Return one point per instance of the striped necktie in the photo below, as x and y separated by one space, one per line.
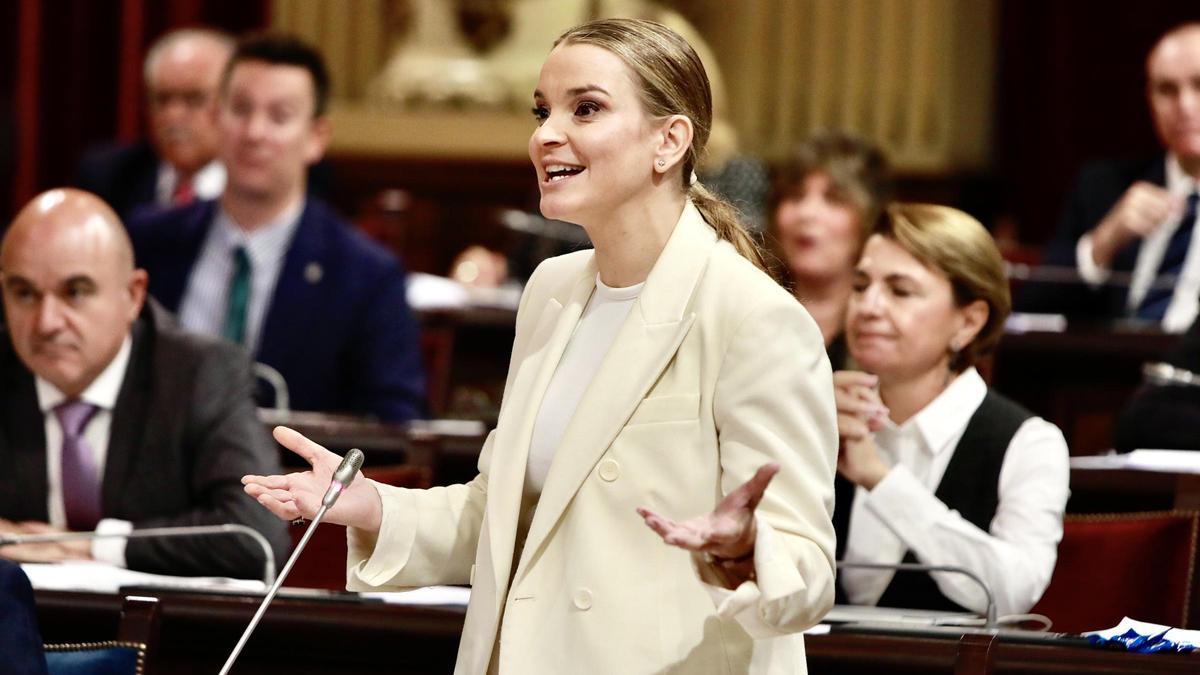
238 299
1154 306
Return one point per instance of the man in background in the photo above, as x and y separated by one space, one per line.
112 418
178 163
1128 226
273 268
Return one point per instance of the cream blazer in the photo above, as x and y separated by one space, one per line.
716 371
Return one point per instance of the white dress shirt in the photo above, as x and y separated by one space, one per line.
204 302
208 183
102 393
1015 556
1184 303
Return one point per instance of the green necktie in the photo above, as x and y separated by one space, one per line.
238 298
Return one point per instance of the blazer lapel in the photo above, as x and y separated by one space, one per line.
297 292
506 482
129 414
649 338
23 445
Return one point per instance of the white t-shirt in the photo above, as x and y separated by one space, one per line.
594 335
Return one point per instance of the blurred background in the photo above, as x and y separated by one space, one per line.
989 105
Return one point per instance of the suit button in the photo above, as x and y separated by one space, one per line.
583 599
609 470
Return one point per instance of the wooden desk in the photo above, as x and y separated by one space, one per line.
1079 379
1123 490
859 650
300 636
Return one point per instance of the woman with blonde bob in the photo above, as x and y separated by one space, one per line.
663 375
934 466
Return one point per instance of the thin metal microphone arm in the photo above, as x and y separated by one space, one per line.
341 479
156 532
989 618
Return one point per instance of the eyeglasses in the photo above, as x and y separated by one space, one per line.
193 99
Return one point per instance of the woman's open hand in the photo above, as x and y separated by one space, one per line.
299 494
728 532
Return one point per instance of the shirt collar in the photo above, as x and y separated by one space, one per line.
265 242
1178 181
944 418
103 390
208 182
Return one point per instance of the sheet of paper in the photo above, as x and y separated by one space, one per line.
893 615
85 575
1170 461
455 596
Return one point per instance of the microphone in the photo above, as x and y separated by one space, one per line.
342 477
989 617
155 532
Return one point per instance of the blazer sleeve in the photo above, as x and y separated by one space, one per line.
223 442
20 643
774 403
429 536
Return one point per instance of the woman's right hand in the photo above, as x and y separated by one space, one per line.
860 414
299 495
860 410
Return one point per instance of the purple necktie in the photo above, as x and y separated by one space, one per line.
80 479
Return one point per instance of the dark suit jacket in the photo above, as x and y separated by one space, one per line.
125 176
20 642
184 432
337 328
1098 188
1164 416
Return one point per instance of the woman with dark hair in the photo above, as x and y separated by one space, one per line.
935 467
661 375
828 197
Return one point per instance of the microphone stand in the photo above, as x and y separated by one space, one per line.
155 532
341 479
990 616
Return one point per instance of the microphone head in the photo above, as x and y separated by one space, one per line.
349 467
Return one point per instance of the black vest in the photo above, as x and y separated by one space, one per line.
970 486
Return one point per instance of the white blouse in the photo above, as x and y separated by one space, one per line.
1015 557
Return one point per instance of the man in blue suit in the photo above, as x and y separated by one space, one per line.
20 642
276 270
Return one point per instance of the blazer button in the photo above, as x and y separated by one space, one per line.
583 599
609 470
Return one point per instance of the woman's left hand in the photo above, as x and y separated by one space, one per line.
728 532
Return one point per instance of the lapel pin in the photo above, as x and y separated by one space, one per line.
313 272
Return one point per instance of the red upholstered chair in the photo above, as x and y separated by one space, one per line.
1140 565
323 562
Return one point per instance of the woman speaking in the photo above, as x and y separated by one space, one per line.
661 376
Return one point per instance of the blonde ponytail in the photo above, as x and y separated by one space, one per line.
725 219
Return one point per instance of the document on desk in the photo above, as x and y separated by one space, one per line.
452 596
894 615
1169 461
85 575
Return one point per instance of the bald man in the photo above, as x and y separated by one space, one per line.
178 163
1128 226
112 417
